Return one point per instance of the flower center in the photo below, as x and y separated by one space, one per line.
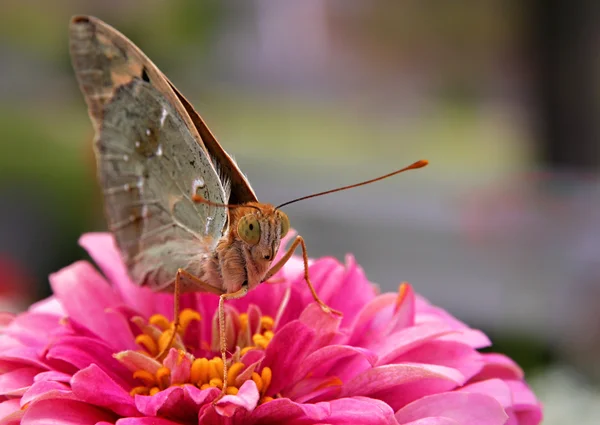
204 371
261 338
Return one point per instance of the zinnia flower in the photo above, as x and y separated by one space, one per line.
88 354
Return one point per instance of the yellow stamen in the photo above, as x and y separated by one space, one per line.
265 399
245 350
180 356
160 322
148 343
258 381
139 390
213 370
267 323
332 382
402 292
266 376
218 365
243 321
234 371
232 390
199 371
164 339
163 377
148 379
260 341
204 373
216 382
186 317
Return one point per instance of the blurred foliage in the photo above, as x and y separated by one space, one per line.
531 354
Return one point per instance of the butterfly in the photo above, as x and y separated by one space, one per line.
183 215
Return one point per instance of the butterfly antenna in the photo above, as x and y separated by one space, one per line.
419 164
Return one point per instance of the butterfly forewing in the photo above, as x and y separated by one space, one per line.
149 158
241 191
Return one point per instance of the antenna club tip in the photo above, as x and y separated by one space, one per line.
420 164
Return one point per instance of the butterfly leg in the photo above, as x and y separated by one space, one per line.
222 337
300 241
201 285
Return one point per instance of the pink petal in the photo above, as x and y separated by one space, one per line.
433 421
179 363
472 337
23 355
315 389
52 375
102 249
452 354
366 327
344 411
525 406
498 366
406 339
404 314
180 403
352 292
246 399
427 312
327 274
10 412
45 390
86 296
494 388
464 408
145 421
8 343
254 316
323 323
33 329
343 361
82 352
135 361
286 351
92 385
50 305
385 377
267 296
252 359
64 412
16 381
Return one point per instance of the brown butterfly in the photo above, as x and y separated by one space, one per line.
183 215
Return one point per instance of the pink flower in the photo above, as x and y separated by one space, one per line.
87 355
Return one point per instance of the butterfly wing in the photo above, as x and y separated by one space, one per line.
150 158
241 191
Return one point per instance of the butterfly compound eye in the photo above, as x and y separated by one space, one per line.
285 223
249 229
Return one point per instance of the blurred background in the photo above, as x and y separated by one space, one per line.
501 96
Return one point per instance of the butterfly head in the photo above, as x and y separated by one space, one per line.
261 227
